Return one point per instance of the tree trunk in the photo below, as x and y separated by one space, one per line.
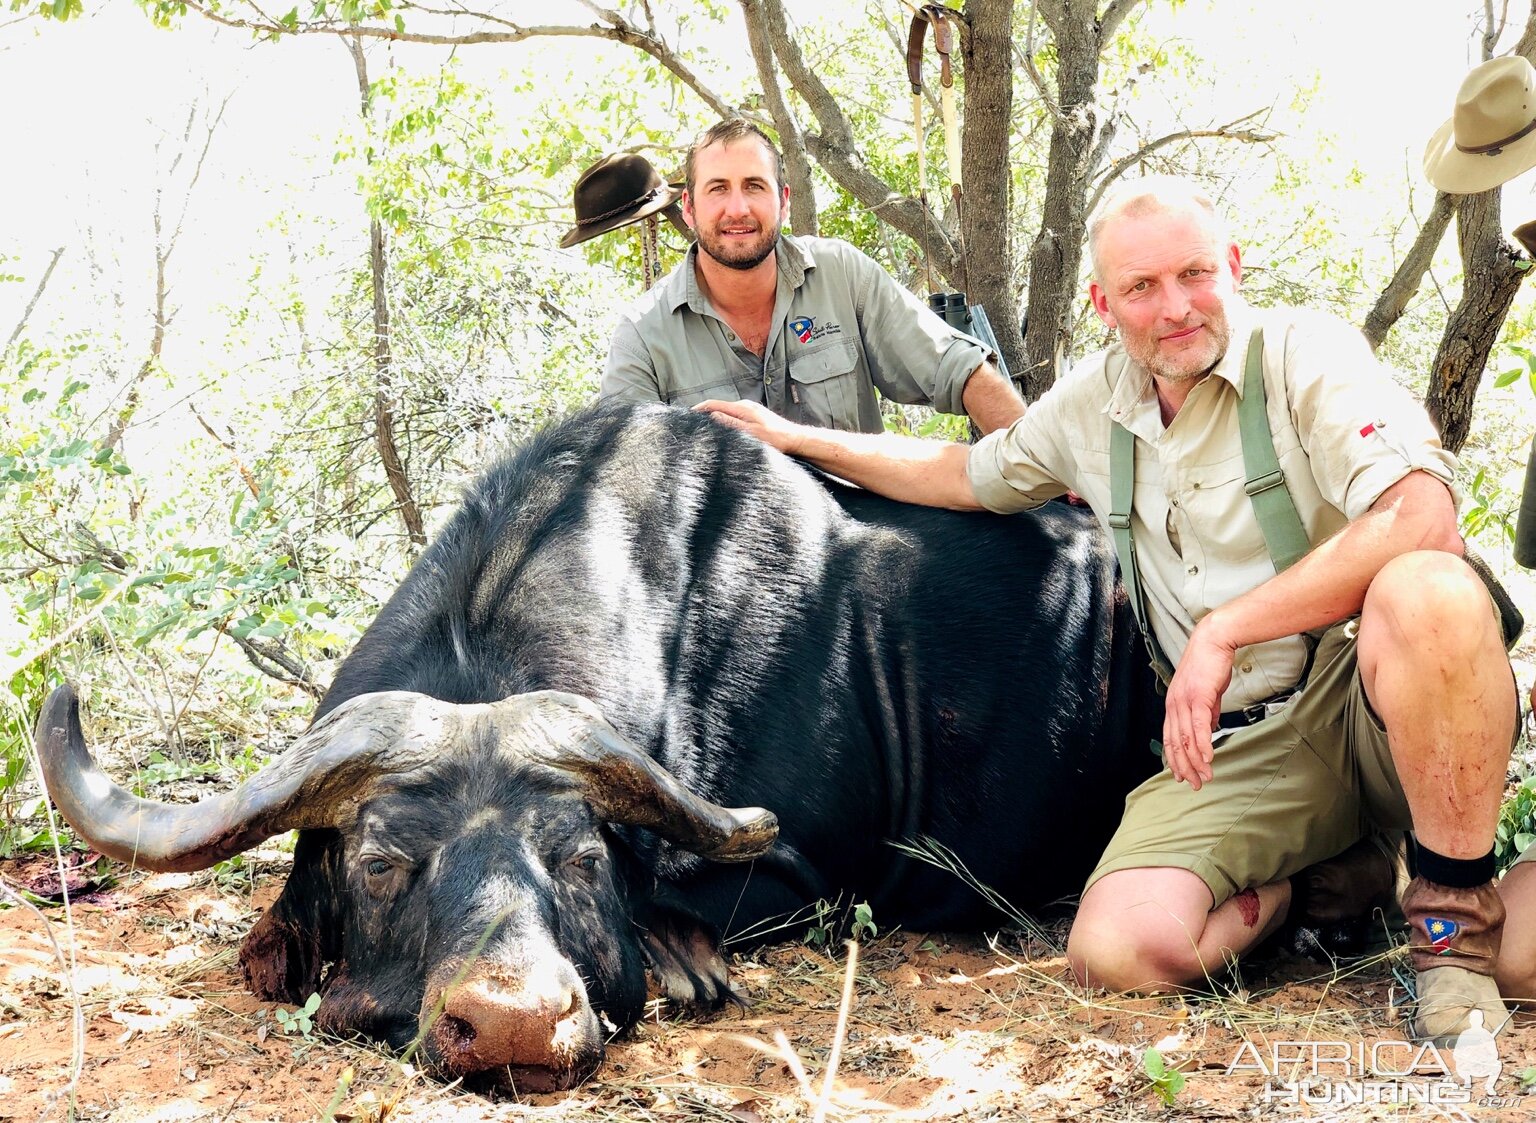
1057 252
985 171
1493 271
1405 283
383 360
797 162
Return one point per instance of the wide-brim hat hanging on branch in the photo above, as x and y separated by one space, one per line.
1491 137
616 191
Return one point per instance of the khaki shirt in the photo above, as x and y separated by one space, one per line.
841 328
1344 431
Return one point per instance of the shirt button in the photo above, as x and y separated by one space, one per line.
768 380
731 336
1194 569
1173 503
1247 668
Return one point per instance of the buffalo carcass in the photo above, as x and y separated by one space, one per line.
541 770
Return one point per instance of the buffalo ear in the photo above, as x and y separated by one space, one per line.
286 950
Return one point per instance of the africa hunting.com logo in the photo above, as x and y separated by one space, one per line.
1338 1074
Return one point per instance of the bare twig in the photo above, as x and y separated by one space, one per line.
31 304
66 964
617 30
840 1034
229 447
1229 131
272 660
1029 66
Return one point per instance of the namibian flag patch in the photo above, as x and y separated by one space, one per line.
1441 933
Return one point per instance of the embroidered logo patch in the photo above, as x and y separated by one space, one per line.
1441 933
802 328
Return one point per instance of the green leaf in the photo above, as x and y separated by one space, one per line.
1153 1062
1507 377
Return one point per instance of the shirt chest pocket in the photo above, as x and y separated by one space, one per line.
823 386
1216 505
725 389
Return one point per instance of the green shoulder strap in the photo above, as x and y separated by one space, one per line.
1266 488
1122 487
1271 499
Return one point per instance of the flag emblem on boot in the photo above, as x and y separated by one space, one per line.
1441 933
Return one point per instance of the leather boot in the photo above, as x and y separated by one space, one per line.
1335 903
1453 944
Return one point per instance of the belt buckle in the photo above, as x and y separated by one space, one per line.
1253 714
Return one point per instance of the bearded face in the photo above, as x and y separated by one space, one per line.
736 205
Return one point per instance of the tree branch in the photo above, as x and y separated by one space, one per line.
835 149
1053 13
1029 66
618 30
1113 17
31 304
1526 46
272 660
802 188
1405 282
1229 131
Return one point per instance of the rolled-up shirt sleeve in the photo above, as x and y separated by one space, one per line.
913 355
630 374
1362 430
1010 469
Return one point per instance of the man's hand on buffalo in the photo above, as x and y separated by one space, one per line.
1192 709
756 419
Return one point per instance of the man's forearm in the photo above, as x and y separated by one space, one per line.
1329 584
932 473
991 400
914 470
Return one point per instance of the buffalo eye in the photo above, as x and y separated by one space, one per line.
586 863
378 875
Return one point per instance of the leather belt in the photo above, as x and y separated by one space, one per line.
1250 715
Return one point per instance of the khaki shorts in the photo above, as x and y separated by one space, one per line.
1290 790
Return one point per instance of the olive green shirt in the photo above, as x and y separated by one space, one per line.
1344 431
841 328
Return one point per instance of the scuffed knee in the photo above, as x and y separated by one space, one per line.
1149 958
1433 582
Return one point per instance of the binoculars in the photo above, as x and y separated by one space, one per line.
969 318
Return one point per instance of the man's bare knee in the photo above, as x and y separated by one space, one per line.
1148 957
1425 596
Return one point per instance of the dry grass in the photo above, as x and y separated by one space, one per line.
909 1026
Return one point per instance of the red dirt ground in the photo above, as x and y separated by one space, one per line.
940 1028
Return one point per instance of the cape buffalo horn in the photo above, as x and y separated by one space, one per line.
624 785
305 787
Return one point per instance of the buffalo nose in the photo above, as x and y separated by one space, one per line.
490 1020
